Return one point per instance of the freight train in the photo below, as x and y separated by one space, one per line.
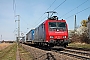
52 32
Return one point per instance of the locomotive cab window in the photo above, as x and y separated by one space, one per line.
54 26
61 24
57 24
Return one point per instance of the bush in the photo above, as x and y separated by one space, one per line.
80 38
84 38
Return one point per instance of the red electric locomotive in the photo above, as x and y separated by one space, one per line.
52 32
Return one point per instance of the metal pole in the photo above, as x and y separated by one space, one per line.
18 28
75 24
1 37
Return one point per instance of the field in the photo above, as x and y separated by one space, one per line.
4 45
79 45
8 51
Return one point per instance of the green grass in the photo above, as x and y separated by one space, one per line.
79 45
24 54
9 53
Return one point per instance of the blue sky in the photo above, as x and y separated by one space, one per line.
30 12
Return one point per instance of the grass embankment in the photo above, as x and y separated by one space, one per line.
79 45
4 45
9 53
24 55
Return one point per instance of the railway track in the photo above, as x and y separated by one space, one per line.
84 55
79 54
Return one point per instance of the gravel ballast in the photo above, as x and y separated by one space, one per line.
39 54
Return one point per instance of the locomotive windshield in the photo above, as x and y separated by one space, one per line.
57 25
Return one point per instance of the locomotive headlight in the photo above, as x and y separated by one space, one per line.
51 36
64 36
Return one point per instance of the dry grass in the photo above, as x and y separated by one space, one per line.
4 45
9 53
80 45
24 55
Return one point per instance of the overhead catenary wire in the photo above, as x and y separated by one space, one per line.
51 4
56 7
75 8
53 10
14 9
45 11
27 28
41 20
24 21
78 12
59 5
